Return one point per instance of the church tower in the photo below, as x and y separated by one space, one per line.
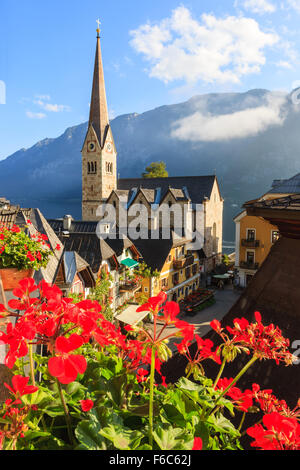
99 156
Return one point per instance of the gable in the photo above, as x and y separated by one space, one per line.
90 136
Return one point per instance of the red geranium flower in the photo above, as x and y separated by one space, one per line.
142 375
86 405
20 387
66 366
153 303
277 433
197 443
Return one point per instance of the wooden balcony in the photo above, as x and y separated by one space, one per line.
249 265
128 286
250 243
183 262
178 263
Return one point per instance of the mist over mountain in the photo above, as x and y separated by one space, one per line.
247 139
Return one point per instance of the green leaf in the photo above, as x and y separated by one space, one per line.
223 425
87 433
40 397
173 415
115 388
201 430
186 384
54 411
121 437
143 410
169 438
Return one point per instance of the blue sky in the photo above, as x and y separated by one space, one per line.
155 52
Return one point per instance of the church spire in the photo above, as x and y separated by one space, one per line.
98 107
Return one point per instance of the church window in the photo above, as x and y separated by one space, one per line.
92 167
109 167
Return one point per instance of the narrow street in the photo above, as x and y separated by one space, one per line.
225 299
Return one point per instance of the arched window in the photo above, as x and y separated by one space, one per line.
95 167
108 167
89 167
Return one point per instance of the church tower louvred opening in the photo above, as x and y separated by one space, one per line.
99 165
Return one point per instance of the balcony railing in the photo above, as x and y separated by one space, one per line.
130 286
249 265
250 243
183 262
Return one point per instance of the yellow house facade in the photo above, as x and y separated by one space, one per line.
254 239
255 236
178 277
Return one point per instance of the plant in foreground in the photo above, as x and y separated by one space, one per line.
93 387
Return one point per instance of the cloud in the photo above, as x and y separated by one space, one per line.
284 64
210 50
2 92
53 108
32 115
43 97
259 6
203 126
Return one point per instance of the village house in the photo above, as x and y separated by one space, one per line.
255 236
64 269
116 258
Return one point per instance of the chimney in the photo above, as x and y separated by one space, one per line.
67 221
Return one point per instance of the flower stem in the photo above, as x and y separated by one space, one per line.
236 378
242 421
219 373
31 364
152 370
66 411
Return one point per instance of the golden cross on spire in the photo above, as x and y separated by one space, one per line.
98 23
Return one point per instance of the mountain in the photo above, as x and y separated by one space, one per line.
247 139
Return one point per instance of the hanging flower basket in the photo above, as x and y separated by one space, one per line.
21 254
12 276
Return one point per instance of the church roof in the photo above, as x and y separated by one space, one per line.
197 188
98 108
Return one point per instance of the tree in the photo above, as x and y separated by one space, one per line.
156 170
